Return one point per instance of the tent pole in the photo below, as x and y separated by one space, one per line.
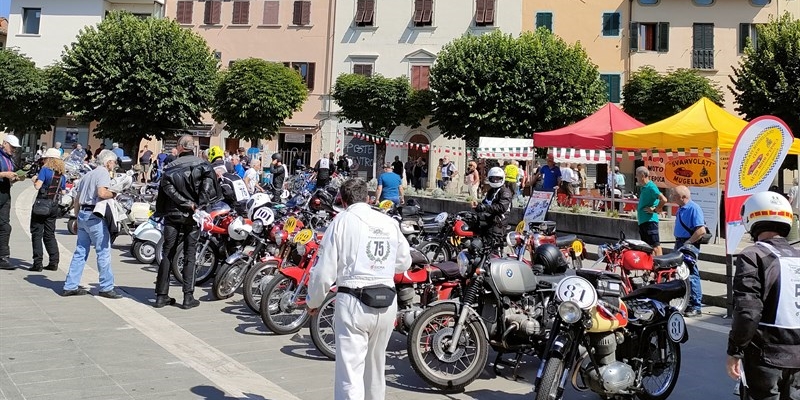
719 178
613 178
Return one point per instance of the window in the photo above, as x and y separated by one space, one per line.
306 71
211 16
650 36
703 46
760 3
184 12
748 31
271 9
484 12
30 20
302 13
362 69
423 12
648 2
544 19
612 86
703 3
241 13
420 76
365 12
611 24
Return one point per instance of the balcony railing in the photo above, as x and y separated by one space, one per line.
703 58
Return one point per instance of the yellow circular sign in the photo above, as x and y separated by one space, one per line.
290 224
691 171
520 227
761 158
577 247
385 205
303 236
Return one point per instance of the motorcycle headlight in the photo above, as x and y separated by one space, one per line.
463 263
301 249
513 239
258 226
569 312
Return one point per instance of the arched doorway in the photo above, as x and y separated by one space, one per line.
416 152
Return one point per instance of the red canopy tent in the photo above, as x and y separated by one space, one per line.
595 132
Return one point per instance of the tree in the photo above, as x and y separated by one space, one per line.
254 97
379 104
496 85
650 96
767 80
138 78
27 103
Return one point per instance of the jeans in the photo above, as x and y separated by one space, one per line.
44 229
769 383
188 233
5 224
696 294
92 231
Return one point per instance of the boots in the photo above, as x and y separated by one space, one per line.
189 301
163 300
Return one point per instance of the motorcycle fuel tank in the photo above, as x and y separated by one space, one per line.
512 277
635 259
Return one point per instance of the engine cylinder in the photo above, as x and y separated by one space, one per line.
605 345
405 296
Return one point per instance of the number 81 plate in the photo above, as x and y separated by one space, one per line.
578 290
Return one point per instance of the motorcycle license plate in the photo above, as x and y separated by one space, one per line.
520 227
290 224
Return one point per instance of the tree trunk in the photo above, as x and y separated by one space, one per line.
380 158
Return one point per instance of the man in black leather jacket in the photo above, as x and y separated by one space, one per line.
278 176
188 183
495 206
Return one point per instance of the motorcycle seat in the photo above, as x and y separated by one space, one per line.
429 219
447 270
418 258
551 279
663 292
566 240
668 261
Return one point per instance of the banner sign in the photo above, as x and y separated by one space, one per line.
759 152
537 207
689 170
708 200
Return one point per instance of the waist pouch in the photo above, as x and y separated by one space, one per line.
375 296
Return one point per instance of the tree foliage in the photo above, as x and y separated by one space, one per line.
496 85
254 97
27 101
650 96
767 80
139 78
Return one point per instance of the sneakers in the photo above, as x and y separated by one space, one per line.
75 292
692 313
189 301
111 294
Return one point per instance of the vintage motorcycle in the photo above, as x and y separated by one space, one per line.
539 233
616 346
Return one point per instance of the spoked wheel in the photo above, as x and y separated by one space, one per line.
662 366
434 251
428 345
322 328
256 280
205 264
281 312
229 279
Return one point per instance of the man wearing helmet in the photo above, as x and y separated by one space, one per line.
496 204
278 176
765 332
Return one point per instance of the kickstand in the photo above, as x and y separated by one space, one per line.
517 360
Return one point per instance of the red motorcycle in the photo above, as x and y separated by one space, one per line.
539 233
431 283
634 261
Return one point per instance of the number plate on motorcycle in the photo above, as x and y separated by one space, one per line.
520 227
578 290
290 224
676 327
386 205
577 247
303 236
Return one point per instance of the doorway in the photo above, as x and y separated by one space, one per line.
416 152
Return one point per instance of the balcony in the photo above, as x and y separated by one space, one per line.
703 58
140 8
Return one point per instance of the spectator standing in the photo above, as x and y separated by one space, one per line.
251 177
549 175
92 229
99 149
390 185
690 227
188 184
323 171
50 183
332 163
423 174
619 180
397 166
794 198
89 156
118 151
581 171
409 170
7 177
449 172
57 145
361 251
511 171
297 163
237 166
764 341
146 160
568 180
342 165
244 160
278 176
650 201
439 182
472 179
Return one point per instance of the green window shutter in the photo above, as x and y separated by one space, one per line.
616 23
544 19
744 33
611 24
634 33
663 37
614 88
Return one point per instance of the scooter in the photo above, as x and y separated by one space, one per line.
146 240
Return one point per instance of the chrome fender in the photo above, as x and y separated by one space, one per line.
149 235
473 313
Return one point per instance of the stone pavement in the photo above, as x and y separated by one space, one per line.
90 347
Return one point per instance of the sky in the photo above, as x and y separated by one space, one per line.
5 6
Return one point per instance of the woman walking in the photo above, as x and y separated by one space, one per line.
472 179
50 183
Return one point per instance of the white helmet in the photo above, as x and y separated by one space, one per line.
256 201
238 230
767 207
496 177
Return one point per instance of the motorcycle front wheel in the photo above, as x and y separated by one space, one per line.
72 226
548 388
205 264
228 279
279 312
255 281
435 252
322 329
662 366
429 340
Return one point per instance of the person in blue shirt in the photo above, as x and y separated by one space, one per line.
118 151
690 226
43 228
549 175
390 186
650 201
237 166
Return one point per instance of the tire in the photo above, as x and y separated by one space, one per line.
228 279
548 387
72 226
205 268
655 363
322 328
434 251
275 305
144 252
254 282
425 345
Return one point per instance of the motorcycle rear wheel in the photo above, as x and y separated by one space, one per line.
322 327
144 251
548 388
255 281
204 268
427 348
278 293
434 251
228 279
672 365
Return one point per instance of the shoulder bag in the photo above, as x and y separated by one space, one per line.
46 199
705 239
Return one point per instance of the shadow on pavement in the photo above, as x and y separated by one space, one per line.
212 393
306 351
43 281
19 263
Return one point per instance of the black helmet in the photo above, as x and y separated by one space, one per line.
550 258
276 156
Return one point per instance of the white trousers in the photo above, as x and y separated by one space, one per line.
362 334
